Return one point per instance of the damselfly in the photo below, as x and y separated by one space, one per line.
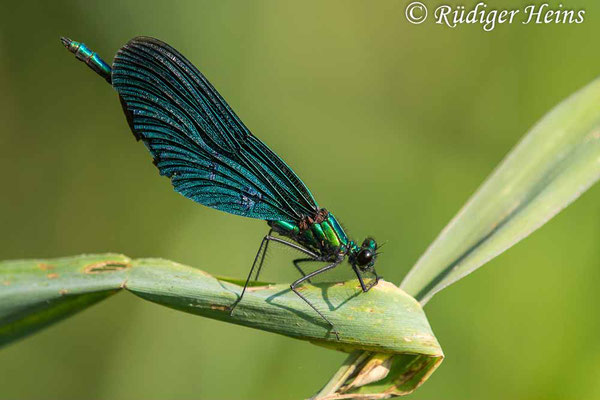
211 157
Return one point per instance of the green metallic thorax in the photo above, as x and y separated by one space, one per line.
326 238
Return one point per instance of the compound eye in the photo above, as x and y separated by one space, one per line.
364 257
370 243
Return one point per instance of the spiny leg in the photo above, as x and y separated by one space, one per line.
266 240
307 277
262 243
297 261
313 256
293 246
374 281
365 288
262 259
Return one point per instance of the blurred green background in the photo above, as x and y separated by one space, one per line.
392 126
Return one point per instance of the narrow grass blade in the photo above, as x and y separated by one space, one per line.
554 163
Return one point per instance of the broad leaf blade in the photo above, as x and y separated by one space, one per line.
37 293
552 165
384 321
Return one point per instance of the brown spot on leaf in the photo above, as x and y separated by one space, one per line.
45 267
255 288
62 292
6 283
52 276
219 307
105 266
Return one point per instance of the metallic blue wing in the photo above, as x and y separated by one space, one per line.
197 140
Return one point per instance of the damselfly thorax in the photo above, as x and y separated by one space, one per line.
322 234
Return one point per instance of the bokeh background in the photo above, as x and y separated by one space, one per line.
392 126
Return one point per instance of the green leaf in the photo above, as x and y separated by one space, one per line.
36 293
556 161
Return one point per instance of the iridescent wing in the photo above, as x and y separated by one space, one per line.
197 140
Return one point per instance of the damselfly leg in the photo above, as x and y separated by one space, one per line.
297 262
294 285
264 243
262 258
260 254
366 287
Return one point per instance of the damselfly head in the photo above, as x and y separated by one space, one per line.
364 257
